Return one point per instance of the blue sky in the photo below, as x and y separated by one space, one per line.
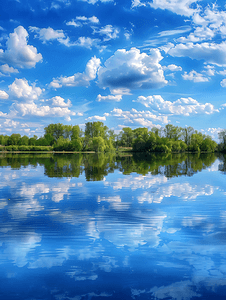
126 63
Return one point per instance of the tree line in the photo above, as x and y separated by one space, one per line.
99 138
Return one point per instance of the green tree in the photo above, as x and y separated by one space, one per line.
222 138
208 145
55 130
172 132
186 134
24 140
32 140
98 144
126 137
14 139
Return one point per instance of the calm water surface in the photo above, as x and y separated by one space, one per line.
79 227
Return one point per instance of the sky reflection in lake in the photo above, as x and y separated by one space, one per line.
134 230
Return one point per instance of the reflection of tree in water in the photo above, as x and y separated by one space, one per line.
17 161
68 165
96 166
173 165
222 165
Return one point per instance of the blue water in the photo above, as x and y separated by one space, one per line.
121 234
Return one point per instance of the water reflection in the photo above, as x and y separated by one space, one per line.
110 227
97 166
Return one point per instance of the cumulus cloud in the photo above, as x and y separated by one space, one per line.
116 98
73 23
180 7
32 109
182 106
49 34
59 101
80 20
21 89
7 69
3 95
209 70
96 118
200 34
79 79
92 19
172 68
108 31
132 70
223 83
18 52
29 94
87 42
11 123
134 117
210 52
212 18
194 76
2 115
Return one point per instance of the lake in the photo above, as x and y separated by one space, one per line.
77 227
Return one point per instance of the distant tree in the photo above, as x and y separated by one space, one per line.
172 132
55 130
186 134
24 140
98 144
222 138
126 137
14 139
32 140
4 139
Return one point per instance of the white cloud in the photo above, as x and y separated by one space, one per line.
59 101
11 123
92 19
108 31
85 20
137 3
172 68
49 34
209 70
116 98
180 7
132 70
87 42
183 106
174 31
200 34
133 116
210 52
7 69
32 109
79 79
95 1
21 89
73 23
3 114
3 95
194 76
212 17
18 52
96 118
223 83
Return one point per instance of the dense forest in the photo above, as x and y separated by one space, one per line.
98 138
